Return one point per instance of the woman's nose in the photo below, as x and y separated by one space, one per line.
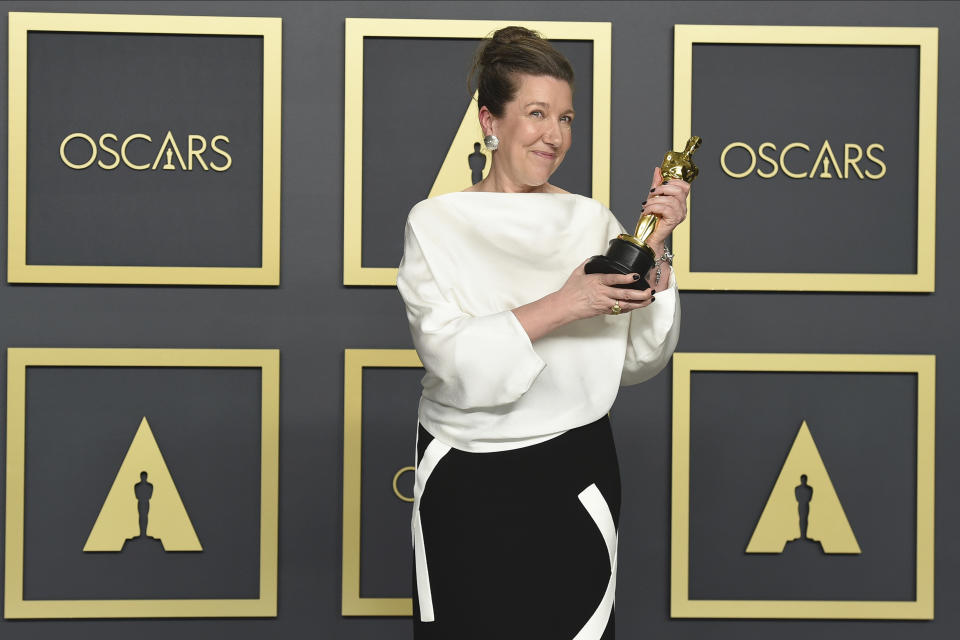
553 135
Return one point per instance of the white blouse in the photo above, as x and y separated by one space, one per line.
468 260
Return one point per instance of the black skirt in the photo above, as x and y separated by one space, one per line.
520 543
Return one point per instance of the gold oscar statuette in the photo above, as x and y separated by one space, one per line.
630 253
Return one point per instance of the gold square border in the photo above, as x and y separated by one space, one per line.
926 38
682 606
354 361
354 273
18 271
267 360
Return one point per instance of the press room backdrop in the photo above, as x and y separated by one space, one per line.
150 295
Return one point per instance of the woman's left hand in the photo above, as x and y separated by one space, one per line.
667 201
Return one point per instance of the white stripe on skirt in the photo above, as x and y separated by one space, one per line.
431 457
599 510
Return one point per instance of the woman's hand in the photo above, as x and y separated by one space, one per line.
585 295
667 201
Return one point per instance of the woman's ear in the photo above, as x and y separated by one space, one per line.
487 121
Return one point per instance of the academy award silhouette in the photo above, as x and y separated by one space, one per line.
477 162
143 491
804 495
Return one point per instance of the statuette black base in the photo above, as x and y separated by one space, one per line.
624 257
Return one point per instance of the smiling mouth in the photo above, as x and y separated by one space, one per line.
546 155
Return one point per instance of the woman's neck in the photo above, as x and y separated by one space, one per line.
499 182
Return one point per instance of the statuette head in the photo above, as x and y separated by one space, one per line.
678 165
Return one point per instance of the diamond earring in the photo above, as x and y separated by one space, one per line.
491 142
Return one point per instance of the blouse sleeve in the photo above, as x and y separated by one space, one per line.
471 361
652 337
654 329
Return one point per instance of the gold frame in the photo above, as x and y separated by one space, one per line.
354 360
267 360
682 606
18 271
354 273
926 38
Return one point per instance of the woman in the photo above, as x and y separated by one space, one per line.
517 490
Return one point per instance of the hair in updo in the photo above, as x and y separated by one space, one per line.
506 53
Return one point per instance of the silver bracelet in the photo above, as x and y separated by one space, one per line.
666 257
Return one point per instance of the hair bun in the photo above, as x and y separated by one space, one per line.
514 34
507 52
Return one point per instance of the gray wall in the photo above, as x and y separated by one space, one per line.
312 318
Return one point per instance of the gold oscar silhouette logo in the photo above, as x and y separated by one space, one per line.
803 508
467 161
143 505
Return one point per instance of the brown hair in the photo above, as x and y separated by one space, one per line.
510 51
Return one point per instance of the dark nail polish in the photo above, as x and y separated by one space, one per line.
652 298
651 190
636 277
665 182
643 203
652 291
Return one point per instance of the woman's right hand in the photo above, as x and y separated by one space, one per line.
585 295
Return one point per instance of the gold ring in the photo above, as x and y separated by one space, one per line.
616 308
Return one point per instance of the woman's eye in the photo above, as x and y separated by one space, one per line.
566 119
539 114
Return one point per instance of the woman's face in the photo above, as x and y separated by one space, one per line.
534 131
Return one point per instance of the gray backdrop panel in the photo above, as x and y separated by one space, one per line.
389 413
864 426
144 83
311 317
80 423
784 94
